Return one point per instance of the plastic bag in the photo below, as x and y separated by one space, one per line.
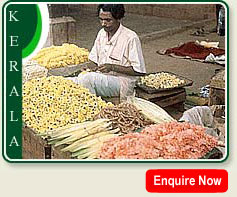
126 88
215 59
199 115
106 85
98 83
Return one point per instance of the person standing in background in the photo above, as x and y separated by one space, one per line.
218 8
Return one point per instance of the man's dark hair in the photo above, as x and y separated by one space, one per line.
117 10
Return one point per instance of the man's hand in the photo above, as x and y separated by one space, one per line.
105 68
89 66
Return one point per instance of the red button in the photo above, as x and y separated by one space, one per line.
187 181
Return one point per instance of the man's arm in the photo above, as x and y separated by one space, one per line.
119 69
91 65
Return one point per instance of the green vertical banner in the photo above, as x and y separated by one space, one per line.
22 34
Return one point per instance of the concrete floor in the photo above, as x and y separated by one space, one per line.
87 26
199 72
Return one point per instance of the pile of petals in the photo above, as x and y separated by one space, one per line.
172 140
194 50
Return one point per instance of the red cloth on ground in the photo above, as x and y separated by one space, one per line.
194 51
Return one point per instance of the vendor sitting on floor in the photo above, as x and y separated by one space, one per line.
116 53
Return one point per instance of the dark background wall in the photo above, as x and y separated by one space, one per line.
177 11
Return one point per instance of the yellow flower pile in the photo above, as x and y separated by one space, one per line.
52 102
61 56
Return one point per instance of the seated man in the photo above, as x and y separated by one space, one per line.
116 53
